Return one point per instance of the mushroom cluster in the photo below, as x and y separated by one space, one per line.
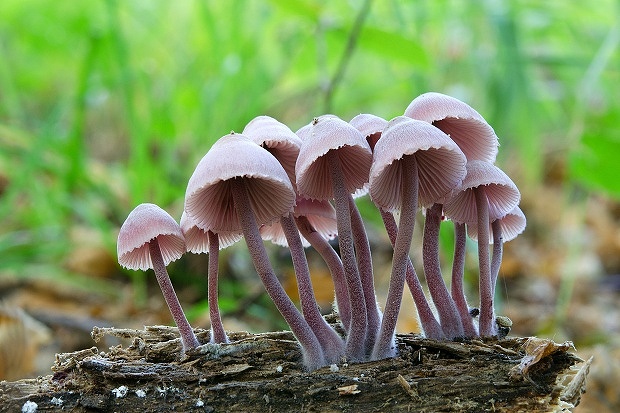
298 189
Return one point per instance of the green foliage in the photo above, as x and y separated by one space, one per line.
105 104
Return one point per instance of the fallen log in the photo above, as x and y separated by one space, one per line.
263 372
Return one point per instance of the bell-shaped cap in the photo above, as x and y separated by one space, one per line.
512 224
501 193
197 240
278 139
144 223
208 198
441 164
321 215
461 122
370 126
330 133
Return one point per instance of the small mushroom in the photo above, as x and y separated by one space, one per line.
283 144
334 161
504 229
414 164
486 194
198 241
151 238
236 186
461 122
372 126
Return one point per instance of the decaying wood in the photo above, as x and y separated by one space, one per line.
263 373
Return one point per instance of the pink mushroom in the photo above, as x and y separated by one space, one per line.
151 238
334 161
414 164
486 194
461 122
238 186
283 144
478 141
504 229
371 127
199 241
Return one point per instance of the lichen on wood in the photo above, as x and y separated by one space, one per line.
264 372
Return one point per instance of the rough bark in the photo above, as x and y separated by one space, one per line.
263 373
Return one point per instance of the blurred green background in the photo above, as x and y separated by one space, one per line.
107 103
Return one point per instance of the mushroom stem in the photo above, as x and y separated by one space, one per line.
448 314
456 287
218 335
188 338
498 250
334 263
429 323
332 344
487 324
311 348
356 339
385 346
364 265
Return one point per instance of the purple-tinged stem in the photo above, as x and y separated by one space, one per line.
311 348
334 263
384 345
356 338
364 265
446 309
218 335
332 344
188 338
430 325
487 324
498 251
456 287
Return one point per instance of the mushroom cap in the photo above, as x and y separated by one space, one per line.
208 198
461 122
321 214
278 139
370 126
512 224
197 240
441 164
330 133
144 223
501 192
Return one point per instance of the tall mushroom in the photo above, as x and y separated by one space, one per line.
199 241
478 141
372 126
486 194
284 145
236 186
151 238
414 164
334 161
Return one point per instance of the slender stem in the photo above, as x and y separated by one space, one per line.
334 263
332 344
487 313
446 309
357 334
188 338
498 251
218 335
430 325
311 348
456 287
364 266
385 346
